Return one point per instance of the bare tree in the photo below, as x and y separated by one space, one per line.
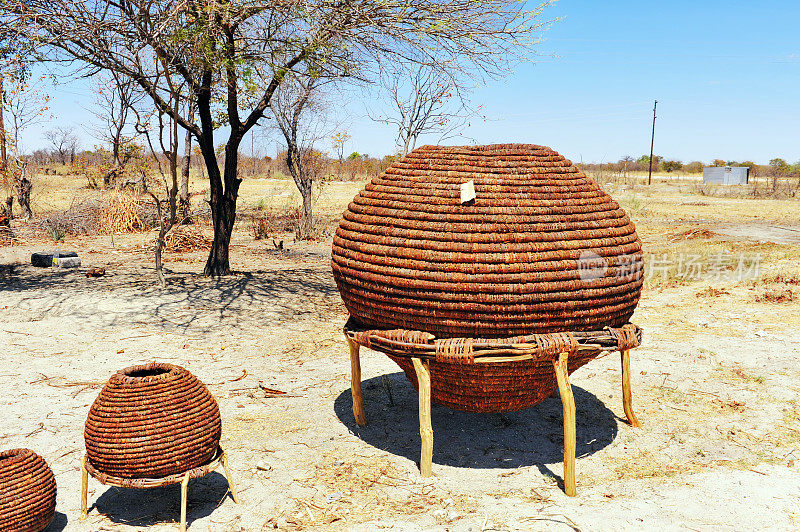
234 54
64 142
24 101
299 117
6 212
338 140
424 101
116 97
167 135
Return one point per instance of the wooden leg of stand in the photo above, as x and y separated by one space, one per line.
84 488
231 487
425 429
568 403
184 500
626 388
355 383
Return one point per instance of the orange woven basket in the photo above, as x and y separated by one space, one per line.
27 492
540 249
152 421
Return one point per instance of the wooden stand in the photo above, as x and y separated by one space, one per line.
425 429
568 404
221 458
560 366
355 383
626 388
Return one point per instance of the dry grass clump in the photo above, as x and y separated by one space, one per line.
104 213
735 372
651 464
712 292
7 237
122 213
266 223
79 219
775 296
781 278
693 234
358 489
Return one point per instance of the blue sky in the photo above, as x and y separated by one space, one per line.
726 76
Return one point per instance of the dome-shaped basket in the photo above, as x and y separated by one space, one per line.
541 248
27 492
151 421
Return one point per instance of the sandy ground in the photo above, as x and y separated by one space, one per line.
716 385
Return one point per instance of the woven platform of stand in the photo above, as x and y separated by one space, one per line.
494 374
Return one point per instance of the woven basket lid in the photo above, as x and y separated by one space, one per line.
541 248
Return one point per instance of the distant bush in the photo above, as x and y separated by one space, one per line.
694 167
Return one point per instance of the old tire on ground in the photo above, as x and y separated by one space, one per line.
44 259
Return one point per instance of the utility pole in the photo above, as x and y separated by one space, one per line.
652 137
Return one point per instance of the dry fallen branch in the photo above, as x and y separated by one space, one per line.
186 238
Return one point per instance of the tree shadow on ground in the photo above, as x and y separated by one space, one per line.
533 436
147 507
188 301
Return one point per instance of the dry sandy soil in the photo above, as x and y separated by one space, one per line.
716 385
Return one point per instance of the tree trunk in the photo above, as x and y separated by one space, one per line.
24 196
306 226
186 166
406 145
110 178
223 207
9 208
24 187
159 244
306 223
6 212
173 191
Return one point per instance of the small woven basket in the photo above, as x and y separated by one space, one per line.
27 492
152 421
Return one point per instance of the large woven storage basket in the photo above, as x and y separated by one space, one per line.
27 492
408 254
152 421
542 248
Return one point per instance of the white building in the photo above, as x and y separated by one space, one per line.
726 175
